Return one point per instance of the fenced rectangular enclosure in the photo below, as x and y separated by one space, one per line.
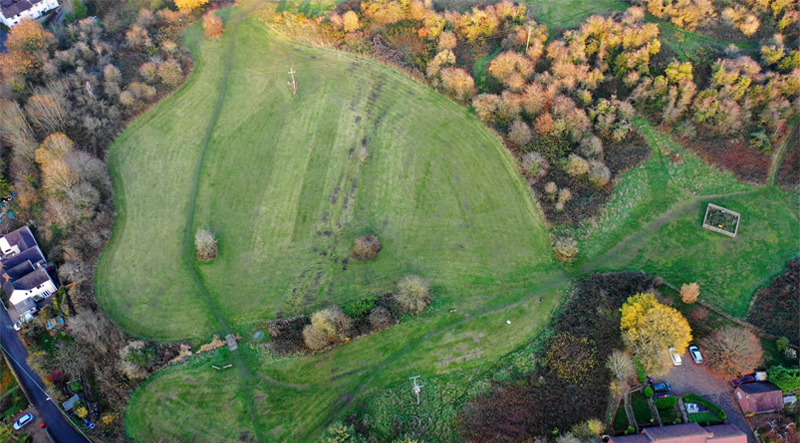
719 219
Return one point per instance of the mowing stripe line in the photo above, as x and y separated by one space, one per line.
188 242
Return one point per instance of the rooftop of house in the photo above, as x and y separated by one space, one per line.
726 433
760 397
22 263
13 8
758 387
686 433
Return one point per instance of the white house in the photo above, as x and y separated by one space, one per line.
26 274
12 11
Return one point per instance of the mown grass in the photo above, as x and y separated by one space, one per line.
284 190
703 417
286 204
641 409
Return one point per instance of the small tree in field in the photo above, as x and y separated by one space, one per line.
188 5
690 292
413 293
212 25
206 245
366 247
732 351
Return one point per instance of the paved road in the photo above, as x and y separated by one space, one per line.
55 421
691 377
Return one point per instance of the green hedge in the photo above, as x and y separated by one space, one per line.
785 378
640 374
666 402
694 398
359 308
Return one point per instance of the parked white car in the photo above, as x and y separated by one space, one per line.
696 355
23 421
676 358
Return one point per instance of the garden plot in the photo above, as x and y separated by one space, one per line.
719 219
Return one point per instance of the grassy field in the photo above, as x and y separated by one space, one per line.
570 13
286 204
653 222
287 183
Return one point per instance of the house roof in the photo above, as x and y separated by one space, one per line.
13 8
758 387
32 279
34 255
684 433
635 438
726 434
22 237
20 270
759 397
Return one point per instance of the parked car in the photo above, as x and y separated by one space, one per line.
661 388
696 355
676 358
743 379
23 421
24 319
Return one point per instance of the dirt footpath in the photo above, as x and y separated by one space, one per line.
691 377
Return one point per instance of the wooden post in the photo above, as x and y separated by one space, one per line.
292 84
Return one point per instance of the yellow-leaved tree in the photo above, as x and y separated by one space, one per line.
650 328
188 5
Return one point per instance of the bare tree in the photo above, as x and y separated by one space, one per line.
620 364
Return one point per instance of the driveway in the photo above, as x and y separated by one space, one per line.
690 377
34 429
48 412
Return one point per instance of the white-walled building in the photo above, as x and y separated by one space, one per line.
12 11
25 272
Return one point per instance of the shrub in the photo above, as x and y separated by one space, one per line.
648 391
170 73
565 249
577 166
519 133
620 365
694 398
212 25
413 293
788 379
329 323
76 386
666 402
186 5
781 344
690 292
380 318
206 245
366 247
359 308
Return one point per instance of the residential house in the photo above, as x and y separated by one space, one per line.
13 11
26 275
759 397
686 433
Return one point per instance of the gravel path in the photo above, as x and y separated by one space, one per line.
691 377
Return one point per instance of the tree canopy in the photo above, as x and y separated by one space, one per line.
650 328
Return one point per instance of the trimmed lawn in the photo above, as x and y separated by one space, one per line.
620 418
641 409
703 417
